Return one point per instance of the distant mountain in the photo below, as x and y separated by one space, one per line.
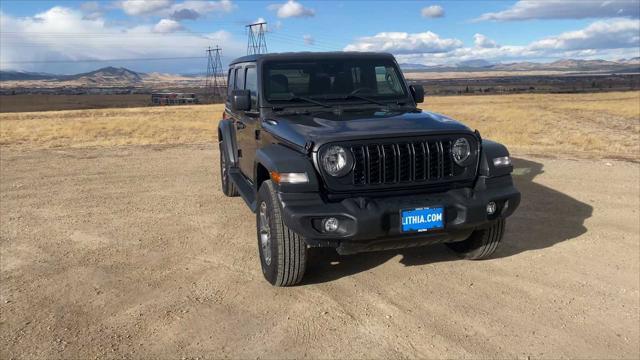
122 77
519 66
107 76
104 76
408 66
476 63
571 64
632 61
8 75
623 65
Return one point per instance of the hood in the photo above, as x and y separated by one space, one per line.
329 126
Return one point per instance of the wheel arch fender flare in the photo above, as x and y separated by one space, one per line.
490 151
280 159
226 133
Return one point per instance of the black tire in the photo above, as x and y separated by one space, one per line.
228 187
482 243
283 253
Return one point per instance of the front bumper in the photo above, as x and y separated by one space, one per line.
373 223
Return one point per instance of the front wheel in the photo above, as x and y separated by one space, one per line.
283 253
481 244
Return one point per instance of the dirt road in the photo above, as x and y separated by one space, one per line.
133 252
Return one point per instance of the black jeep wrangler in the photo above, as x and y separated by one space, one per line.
329 150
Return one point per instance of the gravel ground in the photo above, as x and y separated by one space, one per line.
133 252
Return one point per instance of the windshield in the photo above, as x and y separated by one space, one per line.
333 79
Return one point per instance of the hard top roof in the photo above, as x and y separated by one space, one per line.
311 55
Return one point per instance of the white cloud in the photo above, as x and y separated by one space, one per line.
291 8
185 14
167 26
193 9
22 41
610 39
144 7
92 10
405 43
433 11
618 33
482 41
309 40
186 10
566 9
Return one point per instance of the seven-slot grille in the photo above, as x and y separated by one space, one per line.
415 161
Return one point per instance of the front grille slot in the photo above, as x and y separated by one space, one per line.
403 162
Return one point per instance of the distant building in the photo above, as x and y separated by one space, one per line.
171 98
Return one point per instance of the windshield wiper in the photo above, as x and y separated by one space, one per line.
294 97
356 96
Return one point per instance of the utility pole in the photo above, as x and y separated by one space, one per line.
257 43
214 83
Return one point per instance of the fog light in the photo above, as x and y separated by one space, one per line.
491 208
330 224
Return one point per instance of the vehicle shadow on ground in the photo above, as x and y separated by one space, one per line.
545 217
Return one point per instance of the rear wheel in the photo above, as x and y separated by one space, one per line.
482 243
228 187
283 253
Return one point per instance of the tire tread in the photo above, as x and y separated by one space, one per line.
482 243
291 248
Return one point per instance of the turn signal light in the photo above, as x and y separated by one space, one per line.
289 178
502 161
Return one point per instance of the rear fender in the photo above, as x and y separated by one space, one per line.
226 132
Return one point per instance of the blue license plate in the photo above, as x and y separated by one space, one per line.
422 219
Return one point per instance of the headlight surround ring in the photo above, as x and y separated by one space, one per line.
336 161
461 151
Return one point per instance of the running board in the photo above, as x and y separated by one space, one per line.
244 188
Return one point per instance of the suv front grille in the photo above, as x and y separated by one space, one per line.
403 162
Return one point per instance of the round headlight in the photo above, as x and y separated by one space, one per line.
336 161
461 151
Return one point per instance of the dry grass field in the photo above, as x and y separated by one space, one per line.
118 251
47 102
581 125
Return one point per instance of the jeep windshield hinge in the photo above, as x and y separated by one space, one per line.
308 146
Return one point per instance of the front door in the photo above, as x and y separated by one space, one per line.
247 122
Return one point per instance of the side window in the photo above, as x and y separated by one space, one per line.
251 84
230 82
388 82
239 79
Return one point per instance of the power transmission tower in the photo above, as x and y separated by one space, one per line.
214 84
257 43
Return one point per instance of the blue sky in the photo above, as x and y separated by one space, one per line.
44 35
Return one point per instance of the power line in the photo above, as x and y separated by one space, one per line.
93 34
256 42
100 60
300 41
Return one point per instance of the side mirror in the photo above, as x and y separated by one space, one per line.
417 91
241 100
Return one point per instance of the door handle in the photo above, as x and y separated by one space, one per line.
240 125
